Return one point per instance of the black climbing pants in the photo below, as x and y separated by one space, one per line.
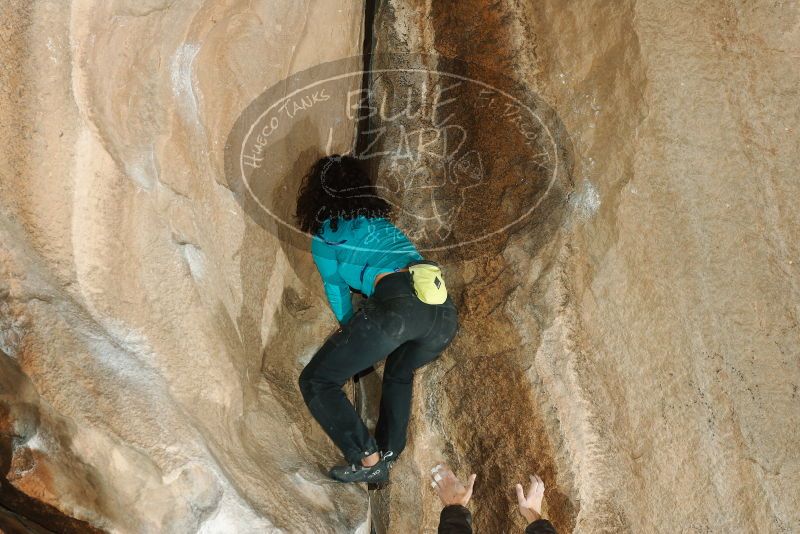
392 324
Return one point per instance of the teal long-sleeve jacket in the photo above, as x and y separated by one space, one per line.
354 254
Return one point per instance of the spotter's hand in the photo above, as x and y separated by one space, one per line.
449 488
531 506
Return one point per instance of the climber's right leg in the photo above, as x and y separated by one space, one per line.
395 407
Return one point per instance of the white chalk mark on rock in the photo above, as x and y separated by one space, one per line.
182 82
586 200
195 259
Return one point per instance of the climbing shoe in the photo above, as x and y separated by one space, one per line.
376 474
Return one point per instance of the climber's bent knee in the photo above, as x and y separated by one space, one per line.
405 376
306 382
312 381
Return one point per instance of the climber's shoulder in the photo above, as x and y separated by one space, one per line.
353 228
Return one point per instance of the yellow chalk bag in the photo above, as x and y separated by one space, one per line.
426 277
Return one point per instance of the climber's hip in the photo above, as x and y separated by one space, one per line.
398 312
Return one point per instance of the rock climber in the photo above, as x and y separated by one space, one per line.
407 318
455 518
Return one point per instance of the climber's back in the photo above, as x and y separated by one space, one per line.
363 247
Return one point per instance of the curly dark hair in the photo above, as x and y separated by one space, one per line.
337 187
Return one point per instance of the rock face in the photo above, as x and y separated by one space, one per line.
138 300
634 338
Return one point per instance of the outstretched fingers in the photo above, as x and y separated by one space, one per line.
470 485
442 475
538 491
449 487
534 486
534 494
520 495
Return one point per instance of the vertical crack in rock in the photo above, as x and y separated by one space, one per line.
363 136
476 407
